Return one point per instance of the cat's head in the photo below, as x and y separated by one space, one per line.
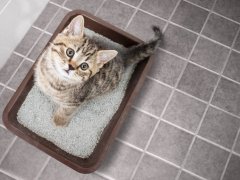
75 57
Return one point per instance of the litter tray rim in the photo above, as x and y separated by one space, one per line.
90 164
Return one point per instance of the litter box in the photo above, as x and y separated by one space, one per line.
91 163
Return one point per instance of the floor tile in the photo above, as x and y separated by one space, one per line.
210 55
228 8
198 82
57 170
120 161
116 13
190 16
152 104
5 140
5 177
237 145
93 177
57 20
38 48
204 3
1 88
166 67
86 5
220 127
28 41
46 16
57 1
141 23
186 176
162 8
137 128
220 29
184 111
232 171
170 143
132 2
151 168
206 160
23 160
8 69
232 69
227 96
237 43
178 40
4 98
20 74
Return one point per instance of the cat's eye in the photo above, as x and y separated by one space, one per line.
84 66
70 52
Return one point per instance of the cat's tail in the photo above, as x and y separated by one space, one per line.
140 52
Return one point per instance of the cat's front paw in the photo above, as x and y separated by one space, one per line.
60 120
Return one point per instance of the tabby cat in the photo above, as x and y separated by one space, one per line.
74 68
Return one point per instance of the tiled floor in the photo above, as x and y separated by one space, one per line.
185 123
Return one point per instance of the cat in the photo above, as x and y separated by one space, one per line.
74 68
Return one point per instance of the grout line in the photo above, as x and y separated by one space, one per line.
235 140
193 174
2 126
215 88
35 27
42 169
128 144
134 13
8 149
103 175
159 119
5 6
10 175
196 5
101 5
6 87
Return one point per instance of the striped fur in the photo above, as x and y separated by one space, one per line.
74 68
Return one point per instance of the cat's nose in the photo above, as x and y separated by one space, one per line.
70 67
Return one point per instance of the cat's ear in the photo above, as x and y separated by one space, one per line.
103 56
76 27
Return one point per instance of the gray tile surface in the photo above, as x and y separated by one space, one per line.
232 171
116 13
39 47
220 127
204 3
58 1
5 177
28 41
206 160
120 161
57 170
190 16
141 24
227 96
179 41
132 2
232 69
23 160
170 143
86 5
210 55
56 20
237 43
237 145
137 128
198 82
7 70
186 176
46 16
153 104
229 8
4 98
166 68
20 74
184 111
5 140
151 169
220 29
162 8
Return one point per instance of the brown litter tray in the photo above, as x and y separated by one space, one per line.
90 164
